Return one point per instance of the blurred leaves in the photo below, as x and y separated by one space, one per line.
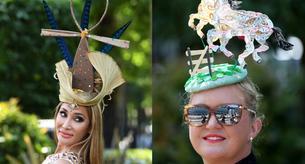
20 137
133 156
27 60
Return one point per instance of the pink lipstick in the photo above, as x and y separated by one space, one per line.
213 138
65 135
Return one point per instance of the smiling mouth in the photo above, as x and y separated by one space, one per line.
65 135
213 138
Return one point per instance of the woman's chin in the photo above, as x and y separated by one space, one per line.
213 152
64 141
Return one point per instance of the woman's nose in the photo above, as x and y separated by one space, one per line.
213 123
67 124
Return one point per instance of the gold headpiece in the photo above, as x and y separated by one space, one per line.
92 75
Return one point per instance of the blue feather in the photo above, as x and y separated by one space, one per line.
86 15
60 40
116 35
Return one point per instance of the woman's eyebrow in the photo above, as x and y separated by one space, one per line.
80 114
67 109
202 105
75 112
64 109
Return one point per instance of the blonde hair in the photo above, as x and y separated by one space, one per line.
252 95
92 146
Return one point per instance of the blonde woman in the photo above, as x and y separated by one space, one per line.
78 118
223 122
78 132
222 109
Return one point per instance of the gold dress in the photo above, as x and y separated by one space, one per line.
70 157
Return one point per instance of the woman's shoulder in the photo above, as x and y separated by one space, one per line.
63 158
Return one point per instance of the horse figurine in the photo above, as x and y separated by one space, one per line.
228 22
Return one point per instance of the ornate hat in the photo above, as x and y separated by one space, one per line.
228 22
90 76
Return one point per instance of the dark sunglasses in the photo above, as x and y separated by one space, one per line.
227 114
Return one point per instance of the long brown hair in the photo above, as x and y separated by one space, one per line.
252 95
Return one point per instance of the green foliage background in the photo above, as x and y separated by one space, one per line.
14 127
282 139
27 59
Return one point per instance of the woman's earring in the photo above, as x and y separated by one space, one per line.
251 139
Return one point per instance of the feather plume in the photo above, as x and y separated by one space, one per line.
60 40
86 15
116 35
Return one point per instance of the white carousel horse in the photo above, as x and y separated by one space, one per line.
230 22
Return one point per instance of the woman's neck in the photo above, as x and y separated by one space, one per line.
64 148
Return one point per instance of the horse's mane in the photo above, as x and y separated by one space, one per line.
234 4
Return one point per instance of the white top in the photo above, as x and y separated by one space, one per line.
70 157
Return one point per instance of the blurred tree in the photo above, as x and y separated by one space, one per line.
20 136
27 60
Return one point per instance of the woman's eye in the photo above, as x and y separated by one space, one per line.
63 114
79 119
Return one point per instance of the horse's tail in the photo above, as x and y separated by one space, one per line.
281 41
234 4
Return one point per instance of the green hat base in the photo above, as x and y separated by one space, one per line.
222 74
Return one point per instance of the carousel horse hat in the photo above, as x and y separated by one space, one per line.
228 22
90 76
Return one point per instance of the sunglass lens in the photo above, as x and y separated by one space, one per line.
198 116
228 114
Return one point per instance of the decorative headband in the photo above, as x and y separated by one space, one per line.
87 78
228 22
